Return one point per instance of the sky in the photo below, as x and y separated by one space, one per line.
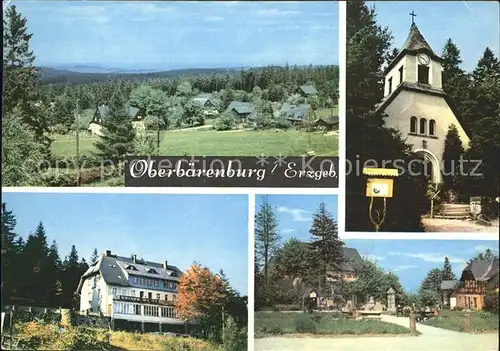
294 212
472 25
173 35
411 260
209 229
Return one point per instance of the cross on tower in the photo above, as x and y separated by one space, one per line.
413 15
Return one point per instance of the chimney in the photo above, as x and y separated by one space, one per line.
165 264
108 252
134 258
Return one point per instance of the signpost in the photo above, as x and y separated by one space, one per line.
379 183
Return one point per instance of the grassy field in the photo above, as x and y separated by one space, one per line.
214 143
272 323
455 320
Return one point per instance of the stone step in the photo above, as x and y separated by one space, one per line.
445 216
456 206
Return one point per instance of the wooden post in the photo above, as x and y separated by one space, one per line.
467 322
413 325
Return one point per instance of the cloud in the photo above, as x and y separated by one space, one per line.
404 267
214 18
287 231
275 13
298 215
375 258
90 13
428 256
483 248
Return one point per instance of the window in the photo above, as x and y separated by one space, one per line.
141 281
156 282
413 125
432 127
423 126
401 74
123 308
158 296
124 292
166 297
137 309
152 271
151 311
150 295
149 281
113 291
135 280
390 84
423 74
132 293
141 294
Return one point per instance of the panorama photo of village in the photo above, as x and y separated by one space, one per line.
317 291
130 272
427 107
87 83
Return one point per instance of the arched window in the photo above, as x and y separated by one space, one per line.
423 126
413 125
432 127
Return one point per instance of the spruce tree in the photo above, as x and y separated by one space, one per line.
456 83
453 151
447 270
94 257
267 238
327 254
117 139
9 253
20 76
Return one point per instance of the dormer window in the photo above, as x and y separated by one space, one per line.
131 267
152 271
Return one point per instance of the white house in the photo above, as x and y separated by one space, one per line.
134 293
101 114
415 103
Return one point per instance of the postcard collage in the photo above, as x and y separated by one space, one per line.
250 175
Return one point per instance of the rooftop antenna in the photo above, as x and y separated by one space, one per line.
413 15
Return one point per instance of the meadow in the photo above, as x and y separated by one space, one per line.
215 143
455 320
277 323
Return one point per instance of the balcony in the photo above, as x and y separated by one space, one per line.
470 291
144 300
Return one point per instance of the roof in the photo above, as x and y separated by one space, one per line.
387 172
131 111
294 112
308 89
328 120
450 284
241 108
116 269
483 270
391 291
204 97
414 43
352 256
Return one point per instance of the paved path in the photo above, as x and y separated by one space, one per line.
457 226
431 339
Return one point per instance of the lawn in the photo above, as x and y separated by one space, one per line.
272 323
214 143
455 320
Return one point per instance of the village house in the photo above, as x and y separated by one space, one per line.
477 278
415 103
243 110
208 102
306 90
101 113
327 123
294 113
135 294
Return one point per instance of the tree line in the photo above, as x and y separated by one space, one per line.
33 271
475 95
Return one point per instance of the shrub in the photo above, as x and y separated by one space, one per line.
304 324
79 339
235 339
491 302
273 329
61 129
225 122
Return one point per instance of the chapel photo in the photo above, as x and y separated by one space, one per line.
424 95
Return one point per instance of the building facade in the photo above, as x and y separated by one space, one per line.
133 293
416 105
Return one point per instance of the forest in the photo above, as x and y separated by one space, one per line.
475 95
47 113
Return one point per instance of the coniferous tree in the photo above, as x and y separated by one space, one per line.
10 253
94 257
117 139
327 254
453 151
267 238
456 83
433 281
20 76
447 270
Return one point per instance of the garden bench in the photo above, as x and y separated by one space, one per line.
9 343
424 315
371 314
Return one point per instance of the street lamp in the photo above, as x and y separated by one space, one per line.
381 186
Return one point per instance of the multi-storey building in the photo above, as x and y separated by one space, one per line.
134 293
